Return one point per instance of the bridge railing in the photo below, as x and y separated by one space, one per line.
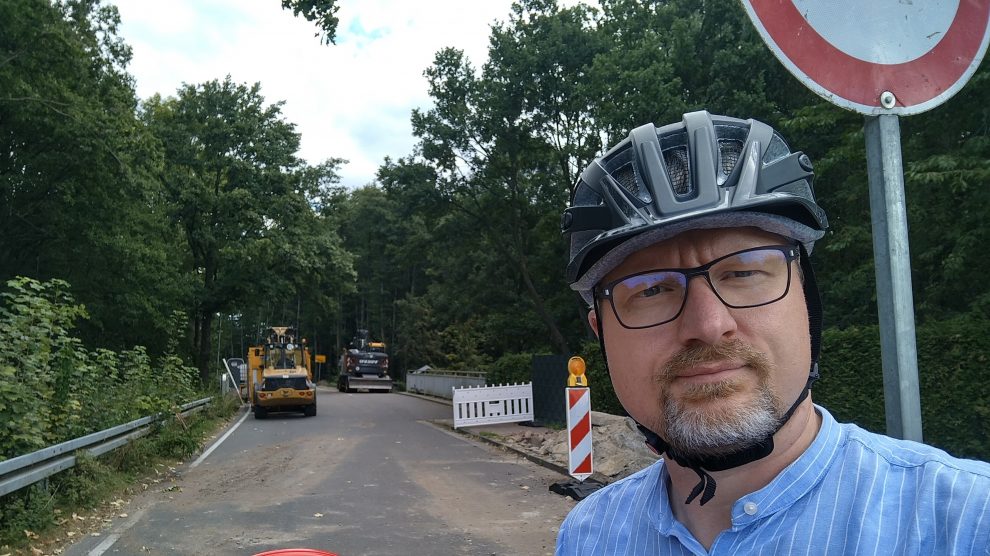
440 383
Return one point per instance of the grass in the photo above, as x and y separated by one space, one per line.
78 500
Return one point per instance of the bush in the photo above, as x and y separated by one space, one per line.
511 368
602 394
53 389
95 480
952 356
29 509
87 483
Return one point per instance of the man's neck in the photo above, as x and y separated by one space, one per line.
706 522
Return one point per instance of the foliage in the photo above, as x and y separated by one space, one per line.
76 190
94 481
29 509
511 368
952 356
323 12
53 389
243 201
87 481
667 58
505 146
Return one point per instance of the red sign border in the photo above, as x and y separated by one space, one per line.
918 85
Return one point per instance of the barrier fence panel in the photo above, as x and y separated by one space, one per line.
490 405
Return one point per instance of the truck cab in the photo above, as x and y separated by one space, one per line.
364 366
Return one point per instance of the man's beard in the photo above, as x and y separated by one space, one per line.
699 422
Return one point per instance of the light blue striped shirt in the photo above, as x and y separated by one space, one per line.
851 492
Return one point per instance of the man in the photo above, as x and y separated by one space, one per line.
690 244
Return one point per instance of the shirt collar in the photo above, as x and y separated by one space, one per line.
797 479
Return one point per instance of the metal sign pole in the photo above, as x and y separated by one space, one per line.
895 301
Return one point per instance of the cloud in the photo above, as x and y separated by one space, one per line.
350 100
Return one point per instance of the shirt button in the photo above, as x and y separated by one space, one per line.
750 508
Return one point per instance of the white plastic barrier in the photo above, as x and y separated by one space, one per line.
489 405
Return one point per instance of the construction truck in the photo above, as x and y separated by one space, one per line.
364 366
280 375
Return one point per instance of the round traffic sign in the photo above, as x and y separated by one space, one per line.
880 57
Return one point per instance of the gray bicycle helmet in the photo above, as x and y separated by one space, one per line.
704 172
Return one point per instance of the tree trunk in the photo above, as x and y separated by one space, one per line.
206 320
205 347
556 338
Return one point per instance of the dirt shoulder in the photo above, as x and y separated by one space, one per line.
618 447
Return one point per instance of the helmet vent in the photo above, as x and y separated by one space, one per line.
678 170
729 151
626 176
776 150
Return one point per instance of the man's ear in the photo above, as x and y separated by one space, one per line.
593 321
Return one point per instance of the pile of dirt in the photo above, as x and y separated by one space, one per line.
618 447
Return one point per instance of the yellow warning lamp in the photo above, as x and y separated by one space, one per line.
576 367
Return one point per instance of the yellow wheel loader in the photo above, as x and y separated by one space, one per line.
280 375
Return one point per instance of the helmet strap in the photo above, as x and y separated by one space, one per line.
813 299
702 465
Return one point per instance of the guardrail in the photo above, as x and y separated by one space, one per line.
19 472
440 383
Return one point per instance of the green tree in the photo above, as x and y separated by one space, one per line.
506 145
322 12
946 164
390 230
77 192
416 212
667 58
242 199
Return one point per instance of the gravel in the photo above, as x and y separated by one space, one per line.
618 447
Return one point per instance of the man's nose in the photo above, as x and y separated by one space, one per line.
704 318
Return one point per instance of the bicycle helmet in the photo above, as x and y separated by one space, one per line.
705 172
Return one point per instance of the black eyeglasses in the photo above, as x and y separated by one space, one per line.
747 278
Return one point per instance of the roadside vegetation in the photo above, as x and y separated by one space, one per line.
186 223
82 500
53 389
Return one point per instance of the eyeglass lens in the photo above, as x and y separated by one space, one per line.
744 279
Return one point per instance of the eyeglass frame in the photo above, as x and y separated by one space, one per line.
791 254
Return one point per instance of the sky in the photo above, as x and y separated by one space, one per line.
350 100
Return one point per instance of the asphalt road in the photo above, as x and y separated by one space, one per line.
370 474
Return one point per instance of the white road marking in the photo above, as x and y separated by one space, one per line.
218 442
115 536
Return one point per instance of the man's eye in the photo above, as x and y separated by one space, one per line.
653 291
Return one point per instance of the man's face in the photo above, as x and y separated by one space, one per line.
715 379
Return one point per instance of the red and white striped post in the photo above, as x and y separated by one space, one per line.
579 448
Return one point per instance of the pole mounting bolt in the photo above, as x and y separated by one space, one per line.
887 99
